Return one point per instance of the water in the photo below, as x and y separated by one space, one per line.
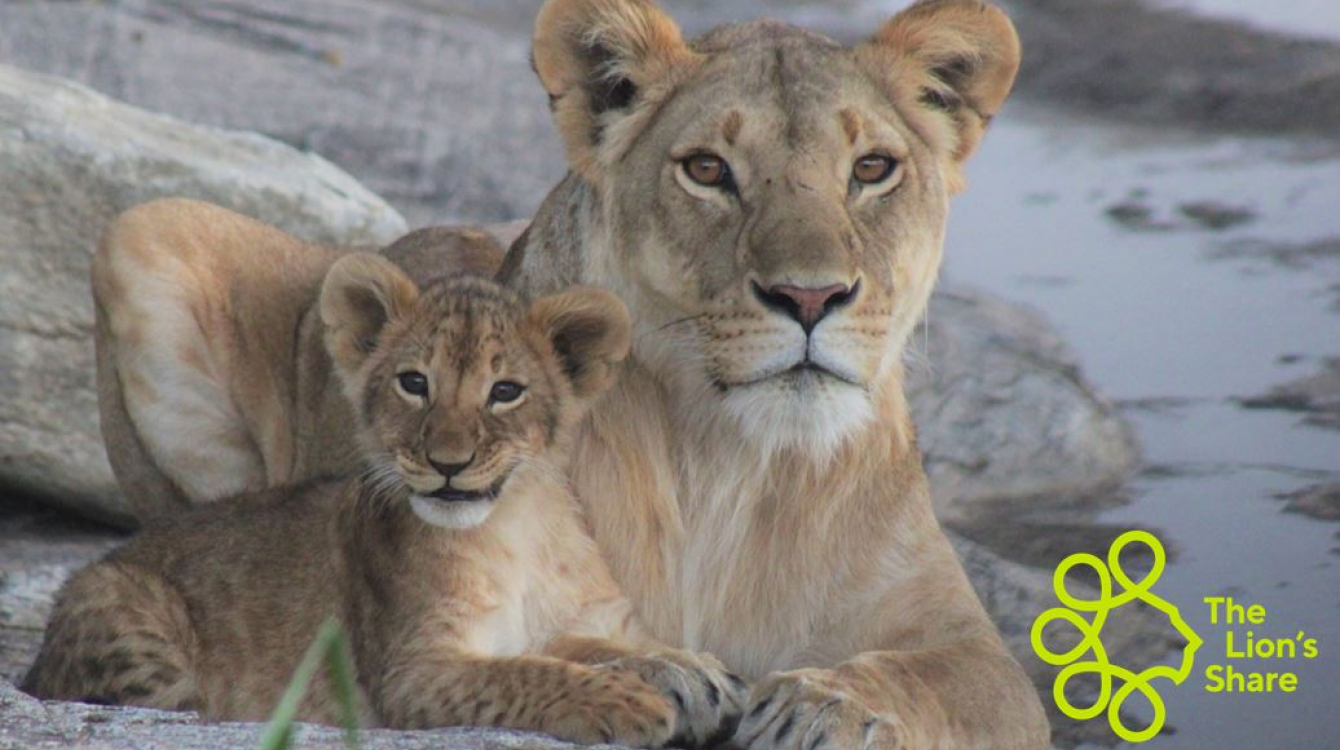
1173 320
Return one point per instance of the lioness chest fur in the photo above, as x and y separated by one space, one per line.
457 560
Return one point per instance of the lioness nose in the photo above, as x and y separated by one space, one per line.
806 306
451 470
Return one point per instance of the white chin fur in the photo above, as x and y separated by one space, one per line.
451 515
816 416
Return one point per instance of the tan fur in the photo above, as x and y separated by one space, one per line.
777 517
513 622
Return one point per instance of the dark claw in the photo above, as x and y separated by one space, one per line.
786 727
720 739
736 681
759 709
713 693
679 700
818 740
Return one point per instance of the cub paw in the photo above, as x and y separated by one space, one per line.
708 699
808 710
611 707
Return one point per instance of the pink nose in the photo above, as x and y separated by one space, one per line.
806 306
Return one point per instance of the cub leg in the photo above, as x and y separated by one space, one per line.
708 699
575 702
117 636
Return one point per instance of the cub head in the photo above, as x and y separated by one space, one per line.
771 204
461 389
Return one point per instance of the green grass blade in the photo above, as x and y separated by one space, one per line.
332 649
340 663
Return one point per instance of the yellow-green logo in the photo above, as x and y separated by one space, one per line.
1091 637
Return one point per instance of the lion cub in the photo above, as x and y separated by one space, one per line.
457 561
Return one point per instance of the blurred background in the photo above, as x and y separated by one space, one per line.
1140 323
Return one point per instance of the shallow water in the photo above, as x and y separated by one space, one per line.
1173 320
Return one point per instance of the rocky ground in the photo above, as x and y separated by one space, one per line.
430 104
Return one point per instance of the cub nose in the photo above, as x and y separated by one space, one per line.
806 306
451 470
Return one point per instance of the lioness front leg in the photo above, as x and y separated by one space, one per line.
576 702
899 701
708 699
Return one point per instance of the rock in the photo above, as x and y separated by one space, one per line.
1216 216
34 725
71 160
39 548
432 105
1141 62
1002 410
1316 396
1318 501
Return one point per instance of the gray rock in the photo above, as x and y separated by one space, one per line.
39 548
1316 396
71 160
431 104
34 725
1318 501
1141 62
1002 411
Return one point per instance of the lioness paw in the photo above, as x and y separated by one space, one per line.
708 699
807 710
612 707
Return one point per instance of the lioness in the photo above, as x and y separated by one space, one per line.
458 560
771 205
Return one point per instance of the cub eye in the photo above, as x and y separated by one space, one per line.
505 392
413 383
873 168
707 169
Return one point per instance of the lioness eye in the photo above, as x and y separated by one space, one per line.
873 168
413 383
707 169
505 392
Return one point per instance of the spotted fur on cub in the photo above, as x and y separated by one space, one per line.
457 560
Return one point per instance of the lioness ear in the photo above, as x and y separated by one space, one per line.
590 331
597 59
968 54
361 294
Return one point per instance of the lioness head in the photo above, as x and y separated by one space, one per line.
460 388
771 204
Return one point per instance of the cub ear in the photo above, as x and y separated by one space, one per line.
597 59
361 294
590 331
968 54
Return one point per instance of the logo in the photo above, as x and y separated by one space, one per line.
1073 662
